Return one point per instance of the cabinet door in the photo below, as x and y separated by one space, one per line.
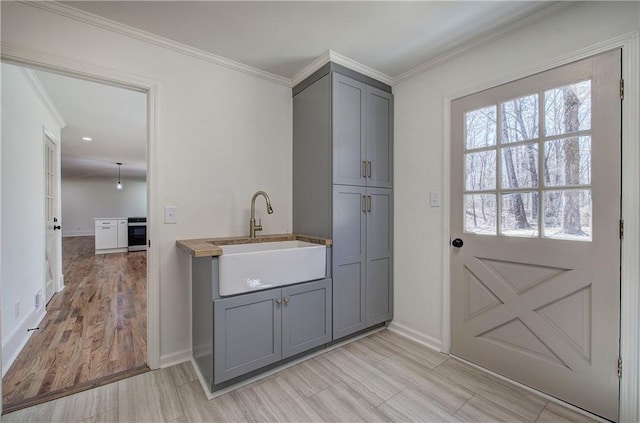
379 282
106 237
379 119
123 234
247 333
348 131
306 316
348 260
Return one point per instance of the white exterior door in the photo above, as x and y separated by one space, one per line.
51 221
535 285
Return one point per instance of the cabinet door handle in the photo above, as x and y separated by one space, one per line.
278 301
369 167
364 168
369 202
364 204
286 300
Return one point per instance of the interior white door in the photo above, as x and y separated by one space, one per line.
535 257
51 221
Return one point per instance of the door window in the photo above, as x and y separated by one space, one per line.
527 164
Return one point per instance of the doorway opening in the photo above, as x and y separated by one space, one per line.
94 330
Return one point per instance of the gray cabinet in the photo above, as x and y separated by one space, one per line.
362 132
342 188
362 258
306 316
246 333
251 331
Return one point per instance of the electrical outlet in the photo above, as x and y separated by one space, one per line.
17 309
37 299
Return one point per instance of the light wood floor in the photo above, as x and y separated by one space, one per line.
94 330
380 378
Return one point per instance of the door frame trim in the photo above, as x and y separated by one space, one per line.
630 258
20 56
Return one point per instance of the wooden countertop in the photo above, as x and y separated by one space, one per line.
210 247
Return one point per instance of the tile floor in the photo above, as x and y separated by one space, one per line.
381 378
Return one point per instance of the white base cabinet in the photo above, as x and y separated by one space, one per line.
111 235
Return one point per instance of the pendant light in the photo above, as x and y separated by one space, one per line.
119 183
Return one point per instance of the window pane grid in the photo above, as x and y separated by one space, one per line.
532 188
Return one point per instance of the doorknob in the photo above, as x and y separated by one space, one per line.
56 227
55 219
457 243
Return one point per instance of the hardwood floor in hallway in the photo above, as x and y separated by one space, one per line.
94 331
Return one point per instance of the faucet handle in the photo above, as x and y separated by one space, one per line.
260 222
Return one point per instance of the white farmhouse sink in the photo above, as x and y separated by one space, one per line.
251 267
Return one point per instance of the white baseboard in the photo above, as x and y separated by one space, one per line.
60 282
421 338
18 340
175 358
77 233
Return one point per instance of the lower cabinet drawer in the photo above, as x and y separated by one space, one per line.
106 222
254 330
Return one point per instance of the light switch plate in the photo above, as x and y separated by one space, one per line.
434 199
170 214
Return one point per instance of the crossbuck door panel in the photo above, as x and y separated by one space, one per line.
535 289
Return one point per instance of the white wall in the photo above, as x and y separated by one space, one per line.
85 199
419 135
24 118
221 135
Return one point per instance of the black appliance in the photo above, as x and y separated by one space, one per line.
137 233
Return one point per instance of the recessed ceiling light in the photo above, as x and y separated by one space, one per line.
87 139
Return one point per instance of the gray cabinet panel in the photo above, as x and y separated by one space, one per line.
306 316
379 298
379 278
348 130
348 223
312 159
349 252
379 222
202 270
379 138
348 299
247 333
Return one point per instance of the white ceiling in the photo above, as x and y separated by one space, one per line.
114 117
282 37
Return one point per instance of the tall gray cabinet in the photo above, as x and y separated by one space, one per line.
342 188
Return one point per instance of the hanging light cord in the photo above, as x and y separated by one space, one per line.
119 184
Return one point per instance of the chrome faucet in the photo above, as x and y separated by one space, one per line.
253 228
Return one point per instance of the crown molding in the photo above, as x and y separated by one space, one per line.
120 28
477 42
359 67
332 56
37 87
311 68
